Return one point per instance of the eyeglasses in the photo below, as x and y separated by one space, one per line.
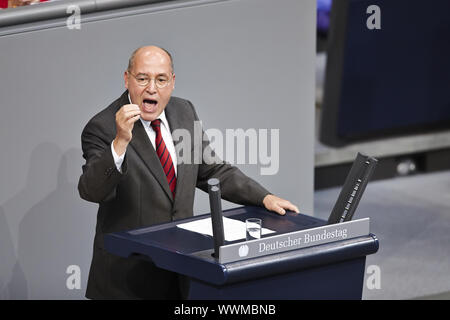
144 80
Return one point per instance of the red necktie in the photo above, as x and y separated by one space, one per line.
164 156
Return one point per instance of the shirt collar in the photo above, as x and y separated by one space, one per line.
162 117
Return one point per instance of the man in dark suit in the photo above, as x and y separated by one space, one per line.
133 173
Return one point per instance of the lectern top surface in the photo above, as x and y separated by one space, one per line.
170 237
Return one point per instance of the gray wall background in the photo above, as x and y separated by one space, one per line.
229 59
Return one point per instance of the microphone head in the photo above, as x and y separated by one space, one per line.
213 182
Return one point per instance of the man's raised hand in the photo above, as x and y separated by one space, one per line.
125 118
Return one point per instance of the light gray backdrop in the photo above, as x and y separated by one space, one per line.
243 64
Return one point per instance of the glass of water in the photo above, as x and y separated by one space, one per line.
253 228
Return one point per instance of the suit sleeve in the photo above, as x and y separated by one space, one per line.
100 176
234 184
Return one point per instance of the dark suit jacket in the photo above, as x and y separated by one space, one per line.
140 196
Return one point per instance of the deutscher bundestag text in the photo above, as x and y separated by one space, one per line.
307 238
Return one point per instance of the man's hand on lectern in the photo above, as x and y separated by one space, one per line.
274 203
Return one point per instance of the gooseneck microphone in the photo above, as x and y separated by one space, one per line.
216 214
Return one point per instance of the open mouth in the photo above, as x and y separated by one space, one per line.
149 105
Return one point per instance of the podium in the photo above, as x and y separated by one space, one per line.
332 270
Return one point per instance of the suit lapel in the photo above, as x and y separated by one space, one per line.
174 120
146 151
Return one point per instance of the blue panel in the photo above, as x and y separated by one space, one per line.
342 280
397 77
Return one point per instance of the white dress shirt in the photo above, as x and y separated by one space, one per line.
166 135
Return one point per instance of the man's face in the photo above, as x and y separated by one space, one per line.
151 63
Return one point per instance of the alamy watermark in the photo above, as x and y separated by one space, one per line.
236 146
73 22
374 277
74 279
374 20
